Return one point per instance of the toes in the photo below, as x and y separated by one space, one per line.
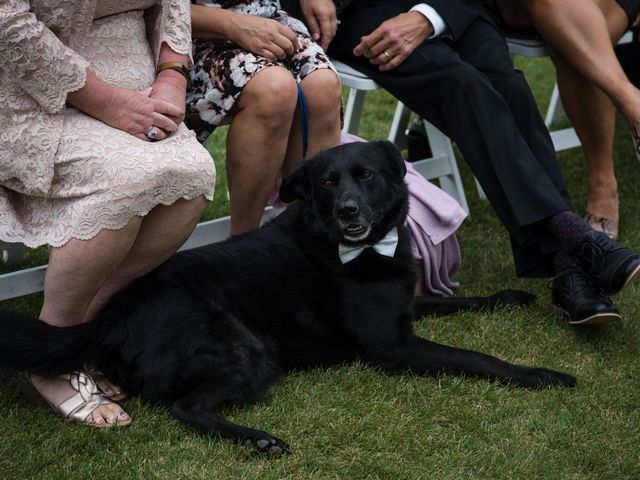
108 415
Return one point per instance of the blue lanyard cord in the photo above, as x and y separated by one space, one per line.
303 121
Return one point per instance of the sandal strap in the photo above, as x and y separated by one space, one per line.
80 405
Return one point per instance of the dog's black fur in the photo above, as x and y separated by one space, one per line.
219 325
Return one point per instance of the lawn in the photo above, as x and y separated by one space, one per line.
354 423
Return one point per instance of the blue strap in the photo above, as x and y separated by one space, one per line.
303 121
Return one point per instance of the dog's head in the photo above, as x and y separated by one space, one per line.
356 192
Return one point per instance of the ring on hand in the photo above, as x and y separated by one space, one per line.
386 55
152 134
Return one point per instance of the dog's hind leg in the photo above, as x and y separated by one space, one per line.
424 357
197 410
426 305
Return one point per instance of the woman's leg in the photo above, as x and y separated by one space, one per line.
584 34
322 93
162 231
585 31
82 276
593 117
257 142
74 275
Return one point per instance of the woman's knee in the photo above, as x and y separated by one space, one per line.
322 92
271 95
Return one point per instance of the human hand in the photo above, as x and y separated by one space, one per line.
394 40
136 112
171 87
322 20
129 110
264 36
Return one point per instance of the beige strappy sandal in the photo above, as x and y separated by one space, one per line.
79 406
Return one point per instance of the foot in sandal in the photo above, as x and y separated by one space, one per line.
76 397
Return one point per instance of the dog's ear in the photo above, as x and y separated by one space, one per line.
394 159
296 186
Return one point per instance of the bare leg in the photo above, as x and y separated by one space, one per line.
75 273
160 235
257 142
584 32
322 92
82 275
593 117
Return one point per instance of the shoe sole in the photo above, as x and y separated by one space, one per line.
597 319
630 278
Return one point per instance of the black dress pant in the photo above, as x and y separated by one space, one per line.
468 88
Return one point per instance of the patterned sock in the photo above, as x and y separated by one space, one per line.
563 261
568 228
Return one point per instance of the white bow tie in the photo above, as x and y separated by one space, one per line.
386 246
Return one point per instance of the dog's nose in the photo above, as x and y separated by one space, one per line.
347 208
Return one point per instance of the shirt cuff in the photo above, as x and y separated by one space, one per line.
439 25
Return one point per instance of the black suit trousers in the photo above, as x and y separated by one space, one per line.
467 87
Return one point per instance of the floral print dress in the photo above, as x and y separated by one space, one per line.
222 69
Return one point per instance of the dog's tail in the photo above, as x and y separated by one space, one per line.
28 344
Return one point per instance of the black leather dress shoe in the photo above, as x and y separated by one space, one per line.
574 294
611 265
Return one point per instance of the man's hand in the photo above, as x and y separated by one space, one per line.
322 20
264 36
394 40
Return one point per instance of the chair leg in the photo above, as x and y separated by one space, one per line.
441 147
397 132
353 111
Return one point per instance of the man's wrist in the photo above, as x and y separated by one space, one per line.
437 23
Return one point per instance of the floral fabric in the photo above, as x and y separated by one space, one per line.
222 69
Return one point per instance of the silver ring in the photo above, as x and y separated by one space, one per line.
152 134
386 55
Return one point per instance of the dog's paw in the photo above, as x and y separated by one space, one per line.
537 377
512 297
268 445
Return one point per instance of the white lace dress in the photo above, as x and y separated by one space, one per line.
101 176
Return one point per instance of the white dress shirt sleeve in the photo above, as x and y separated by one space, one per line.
439 25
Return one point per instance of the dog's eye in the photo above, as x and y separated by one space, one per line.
327 184
366 175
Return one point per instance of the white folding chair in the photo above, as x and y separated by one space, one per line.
441 165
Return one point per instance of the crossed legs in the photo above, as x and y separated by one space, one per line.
590 83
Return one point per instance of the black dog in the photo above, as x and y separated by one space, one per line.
220 324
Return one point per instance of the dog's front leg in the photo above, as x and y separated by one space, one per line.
196 410
424 357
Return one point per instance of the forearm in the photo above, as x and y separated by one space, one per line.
93 97
215 23
172 76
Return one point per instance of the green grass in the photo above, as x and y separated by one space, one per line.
354 423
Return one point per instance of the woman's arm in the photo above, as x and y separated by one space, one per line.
31 54
262 36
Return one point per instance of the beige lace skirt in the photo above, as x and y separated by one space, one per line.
104 176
